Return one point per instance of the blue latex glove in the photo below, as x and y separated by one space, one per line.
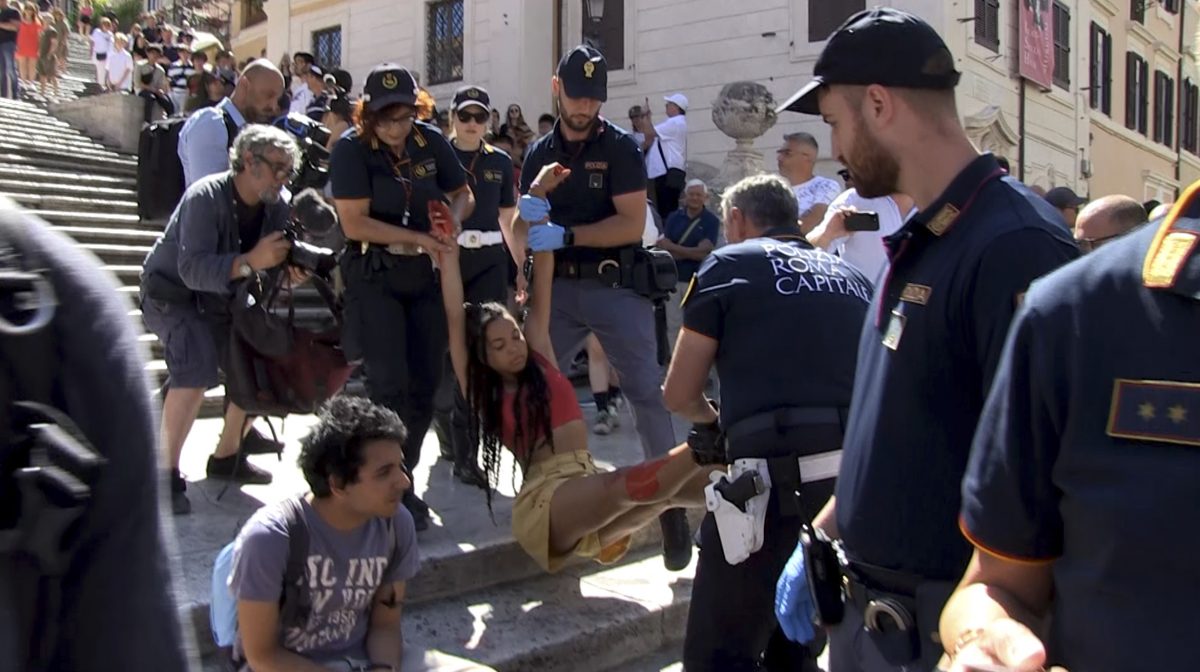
533 209
793 600
546 237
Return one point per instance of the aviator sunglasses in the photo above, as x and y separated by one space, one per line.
477 117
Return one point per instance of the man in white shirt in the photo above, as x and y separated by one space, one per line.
302 96
119 65
796 160
665 148
862 249
180 74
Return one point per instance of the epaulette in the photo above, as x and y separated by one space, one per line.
1174 243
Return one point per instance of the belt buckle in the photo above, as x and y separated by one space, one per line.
472 240
886 607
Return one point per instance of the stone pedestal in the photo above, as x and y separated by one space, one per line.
114 119
743 111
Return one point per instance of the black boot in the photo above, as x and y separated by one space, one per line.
419 510
677 539
180 505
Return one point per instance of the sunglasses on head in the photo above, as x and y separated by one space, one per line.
478 117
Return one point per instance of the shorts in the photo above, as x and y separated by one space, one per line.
85 19
47 66
531 513
189 340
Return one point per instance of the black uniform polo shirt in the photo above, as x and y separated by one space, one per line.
1088 452
490 173
429 169
926 356
767 303
607 164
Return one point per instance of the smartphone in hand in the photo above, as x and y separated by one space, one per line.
862 221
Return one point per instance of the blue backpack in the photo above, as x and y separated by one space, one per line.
294 608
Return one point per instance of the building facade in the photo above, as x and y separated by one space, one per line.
1075 133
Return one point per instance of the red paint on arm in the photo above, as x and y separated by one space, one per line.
641 481
441 222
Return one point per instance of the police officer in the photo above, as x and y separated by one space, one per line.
1082 478
384 174
959 268
783 415
596 219
484 258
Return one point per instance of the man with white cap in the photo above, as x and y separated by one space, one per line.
665 147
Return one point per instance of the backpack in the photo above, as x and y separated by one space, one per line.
160 183
47 467
274 367
294 608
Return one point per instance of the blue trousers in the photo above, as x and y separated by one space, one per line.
10 86
624 324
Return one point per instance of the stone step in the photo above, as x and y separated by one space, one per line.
31 132
29 171
43 164
35 142
66 156
584 619
119 254
115 235
32 115
126 274
73 205
665 659
11 186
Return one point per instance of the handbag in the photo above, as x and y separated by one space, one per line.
675 178
276 368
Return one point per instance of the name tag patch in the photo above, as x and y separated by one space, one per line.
895 329
1155 410
491 176
914 293
596 180
595 165
425 168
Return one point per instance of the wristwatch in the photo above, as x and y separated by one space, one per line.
244 270
568 237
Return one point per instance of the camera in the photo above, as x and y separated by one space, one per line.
312 136
313 224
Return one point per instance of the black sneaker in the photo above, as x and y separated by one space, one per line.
255 443
419 510
238 469
677 539
470 475
180 505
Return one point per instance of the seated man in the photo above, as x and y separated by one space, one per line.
362 548
227 226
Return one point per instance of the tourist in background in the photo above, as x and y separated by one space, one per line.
47 64
209 91
59 21
27 42
85 18
101 43
120 65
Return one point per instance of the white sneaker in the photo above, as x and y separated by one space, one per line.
606 421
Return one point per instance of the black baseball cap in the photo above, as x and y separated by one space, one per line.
882 46
1064 197
389 84
471 95
583 73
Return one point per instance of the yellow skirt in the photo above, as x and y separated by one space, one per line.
531 513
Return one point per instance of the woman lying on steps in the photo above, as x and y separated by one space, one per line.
520 400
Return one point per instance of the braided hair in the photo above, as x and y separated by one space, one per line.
485 398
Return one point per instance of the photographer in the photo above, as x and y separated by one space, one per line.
484 258
226 227
384 175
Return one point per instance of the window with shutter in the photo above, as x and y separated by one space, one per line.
1062 45
608 34
826 16
987 23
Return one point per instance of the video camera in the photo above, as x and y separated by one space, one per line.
313 221
312 136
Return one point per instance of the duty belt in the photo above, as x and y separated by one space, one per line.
398 249
606 271
474 240
785 419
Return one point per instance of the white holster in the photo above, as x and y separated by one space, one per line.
741 531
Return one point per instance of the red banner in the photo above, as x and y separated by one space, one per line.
1037 42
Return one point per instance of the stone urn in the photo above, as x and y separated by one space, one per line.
743 111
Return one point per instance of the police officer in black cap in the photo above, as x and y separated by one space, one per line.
384 174
594 222
484 257
782 415
959 269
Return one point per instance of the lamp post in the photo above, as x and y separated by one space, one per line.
594 14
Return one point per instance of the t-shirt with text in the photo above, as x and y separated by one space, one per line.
816 191
344 569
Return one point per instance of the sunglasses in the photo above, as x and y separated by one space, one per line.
1091 244
396 121
477 117
844 174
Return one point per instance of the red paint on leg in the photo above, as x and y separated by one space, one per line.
641 481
